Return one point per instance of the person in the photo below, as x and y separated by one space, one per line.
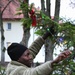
22 58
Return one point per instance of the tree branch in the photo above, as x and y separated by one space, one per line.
6 5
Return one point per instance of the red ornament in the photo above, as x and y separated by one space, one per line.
33 17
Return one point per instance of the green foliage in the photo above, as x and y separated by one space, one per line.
2 70
26 22
24 9
65 32
24 6
64 68
45 23
39 31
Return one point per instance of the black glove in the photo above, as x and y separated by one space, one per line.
49 32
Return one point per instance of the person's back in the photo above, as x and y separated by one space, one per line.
20 69
15 68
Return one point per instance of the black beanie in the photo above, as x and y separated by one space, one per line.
15 51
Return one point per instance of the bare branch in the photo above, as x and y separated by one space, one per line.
7 5
72 3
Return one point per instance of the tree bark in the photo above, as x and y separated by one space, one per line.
43 5
26 36
49 50
48 7
2 33
57 10
26 31
2 39
49 43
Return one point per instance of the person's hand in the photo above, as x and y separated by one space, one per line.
61 57
49 32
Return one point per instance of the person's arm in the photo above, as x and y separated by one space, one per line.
38 43
47 67
36 46
47 34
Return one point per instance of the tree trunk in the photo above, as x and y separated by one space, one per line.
26 31
49 43
57 10
2 40
26 35
2 31
49 50
43 5
48 7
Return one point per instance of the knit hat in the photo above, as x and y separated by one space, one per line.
15 51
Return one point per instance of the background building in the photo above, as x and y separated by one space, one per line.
11 23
